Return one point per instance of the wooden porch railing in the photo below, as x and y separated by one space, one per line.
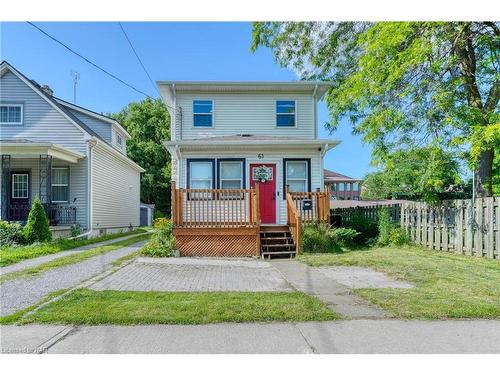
313 206
221 208
294 221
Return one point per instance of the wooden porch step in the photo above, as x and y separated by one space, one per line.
268 254
274 228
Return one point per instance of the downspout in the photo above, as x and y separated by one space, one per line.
315 105
90 144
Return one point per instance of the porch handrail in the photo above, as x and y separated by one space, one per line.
318 212
294 221
224 208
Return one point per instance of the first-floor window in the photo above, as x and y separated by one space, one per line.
297 175
60 185
201 174
231 175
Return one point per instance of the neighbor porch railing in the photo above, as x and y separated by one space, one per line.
221 208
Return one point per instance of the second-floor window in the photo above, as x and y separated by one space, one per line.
203 113
119 141
11 114
285 113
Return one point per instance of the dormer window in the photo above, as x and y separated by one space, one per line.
203 113
285 113
119 141
11 114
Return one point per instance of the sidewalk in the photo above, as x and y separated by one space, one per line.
356 336
28 263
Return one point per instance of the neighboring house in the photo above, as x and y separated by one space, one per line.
73 159
227 138
342 187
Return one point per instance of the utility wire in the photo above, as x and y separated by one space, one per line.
139 59
90 62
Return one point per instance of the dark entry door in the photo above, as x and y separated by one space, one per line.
19 196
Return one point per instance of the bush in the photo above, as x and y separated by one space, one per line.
317 238
398 236
11 234
75 230
158 214
37 228
367 228
343 236
162 242
385 226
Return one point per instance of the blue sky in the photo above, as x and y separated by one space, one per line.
170 51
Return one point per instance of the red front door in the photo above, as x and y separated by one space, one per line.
267 190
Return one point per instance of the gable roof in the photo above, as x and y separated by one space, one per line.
93 114
49 99
331 176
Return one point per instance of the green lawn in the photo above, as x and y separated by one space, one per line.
73 258
10 255
84 306
447 285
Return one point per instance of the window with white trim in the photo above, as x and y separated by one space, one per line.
231 175
203 113
119 140
60 185
11 114
297 176
285 113
20 183
200 175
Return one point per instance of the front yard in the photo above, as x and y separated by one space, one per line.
85 306
446 285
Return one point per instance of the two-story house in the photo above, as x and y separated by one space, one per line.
72 158
232 141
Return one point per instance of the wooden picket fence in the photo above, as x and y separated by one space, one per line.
453 225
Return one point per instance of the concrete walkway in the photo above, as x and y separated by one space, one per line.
336 296
20 293
357 336
28 263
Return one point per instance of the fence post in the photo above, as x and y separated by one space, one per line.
488 239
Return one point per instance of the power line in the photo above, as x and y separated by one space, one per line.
90 62
139 59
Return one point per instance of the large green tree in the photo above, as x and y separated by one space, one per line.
148 122
403 85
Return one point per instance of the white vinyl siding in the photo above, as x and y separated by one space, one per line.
254 113
115 191
271 156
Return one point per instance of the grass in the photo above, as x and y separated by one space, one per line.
446 285
74 258
16 317
10 255
89 307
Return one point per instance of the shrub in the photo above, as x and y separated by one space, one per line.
158 214
75 230
11 234
367 228
385 226
162 242
317 238
37 228
398 236
343 236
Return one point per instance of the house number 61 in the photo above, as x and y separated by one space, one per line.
260 156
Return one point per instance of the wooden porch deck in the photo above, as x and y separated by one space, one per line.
226 222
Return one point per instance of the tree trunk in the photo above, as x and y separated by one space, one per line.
483 174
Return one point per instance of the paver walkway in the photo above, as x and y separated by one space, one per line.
336 296
355 336
195 274
23 292
28 263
